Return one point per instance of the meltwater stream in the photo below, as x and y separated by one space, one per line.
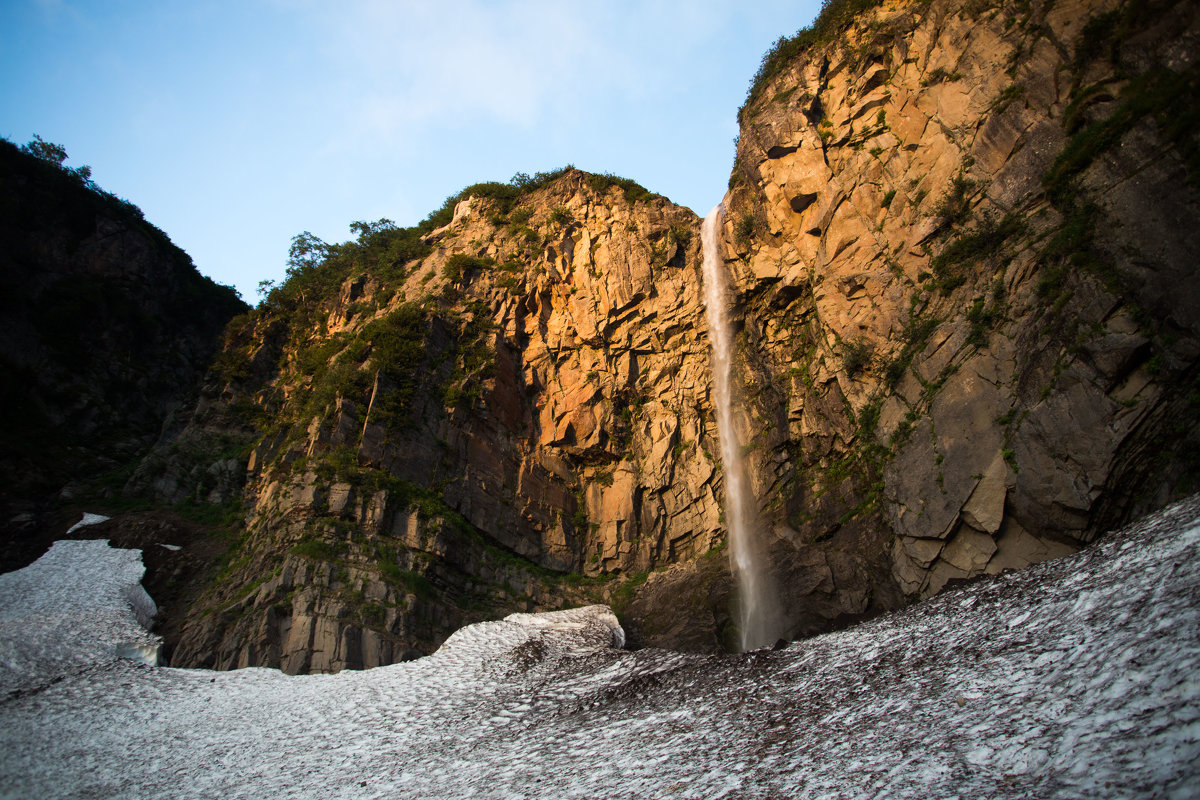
760 618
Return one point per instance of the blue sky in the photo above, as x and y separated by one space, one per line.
236 125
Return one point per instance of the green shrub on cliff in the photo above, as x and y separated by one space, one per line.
460 266
633 191
398 354
835 15
505 195
384 249
560 216
856 355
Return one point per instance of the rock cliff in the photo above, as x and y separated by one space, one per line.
108 330
506 411
963 240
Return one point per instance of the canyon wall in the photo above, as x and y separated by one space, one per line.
517 419
963 241
108 330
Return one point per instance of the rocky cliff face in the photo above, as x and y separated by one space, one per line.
518 418
108 329
963 240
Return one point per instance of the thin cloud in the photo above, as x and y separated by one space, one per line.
523 63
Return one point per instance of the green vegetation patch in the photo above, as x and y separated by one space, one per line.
503 195
834 17
856 355
955 207
623 595
446 351
1168 96
633 191
315 269
915 336
949 266
460 266
408 580
560 216
985 314
318 550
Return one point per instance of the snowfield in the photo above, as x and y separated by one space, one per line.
1078 678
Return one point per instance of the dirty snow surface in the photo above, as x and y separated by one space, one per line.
1076 678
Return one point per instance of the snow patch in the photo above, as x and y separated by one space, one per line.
88 519
70 610
1076 678
595 626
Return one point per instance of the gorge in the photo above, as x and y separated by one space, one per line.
960 242
963 279
519 500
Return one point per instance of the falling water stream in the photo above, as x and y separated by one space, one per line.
760 618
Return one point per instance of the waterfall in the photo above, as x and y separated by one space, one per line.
759 616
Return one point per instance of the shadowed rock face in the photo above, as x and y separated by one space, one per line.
107 330
963 249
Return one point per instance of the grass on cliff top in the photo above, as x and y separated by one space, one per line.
834 17
505 195
316 269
